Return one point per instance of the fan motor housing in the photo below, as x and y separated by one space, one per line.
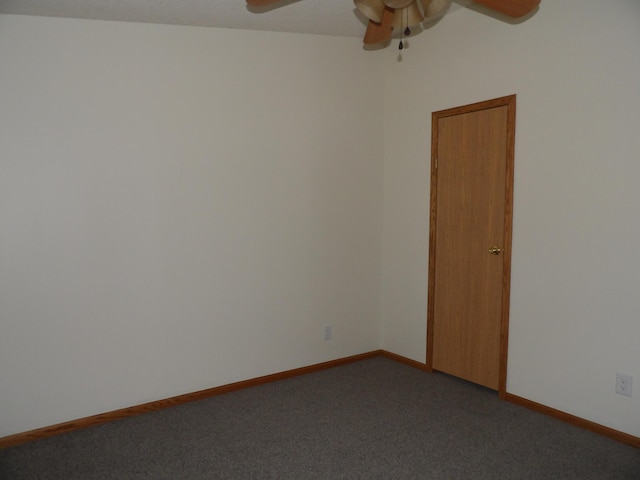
398 3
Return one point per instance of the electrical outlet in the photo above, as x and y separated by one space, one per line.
623 384
327 332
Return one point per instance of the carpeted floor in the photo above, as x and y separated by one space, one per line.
374 419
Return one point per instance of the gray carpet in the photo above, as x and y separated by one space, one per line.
374 419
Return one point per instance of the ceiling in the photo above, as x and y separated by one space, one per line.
322 17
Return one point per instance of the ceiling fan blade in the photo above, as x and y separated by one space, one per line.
380 32
511 8
261 3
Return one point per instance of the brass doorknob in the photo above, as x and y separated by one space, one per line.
495 250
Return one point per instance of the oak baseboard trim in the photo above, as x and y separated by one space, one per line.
65 427
407 361
577 421
53 430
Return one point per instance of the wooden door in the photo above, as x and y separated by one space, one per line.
470 241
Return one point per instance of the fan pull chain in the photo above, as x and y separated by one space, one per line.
407 30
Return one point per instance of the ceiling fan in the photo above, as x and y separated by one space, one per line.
385 15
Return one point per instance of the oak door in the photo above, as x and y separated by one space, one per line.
470 241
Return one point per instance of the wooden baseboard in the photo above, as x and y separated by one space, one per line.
81 423
577 421
412 363
40 433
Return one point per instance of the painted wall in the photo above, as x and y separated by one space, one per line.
180 208
183 208
575 308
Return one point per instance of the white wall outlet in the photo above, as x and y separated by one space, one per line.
327 332
623 384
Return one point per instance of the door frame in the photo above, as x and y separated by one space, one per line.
510 102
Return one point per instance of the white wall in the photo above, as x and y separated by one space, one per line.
575 306
181 208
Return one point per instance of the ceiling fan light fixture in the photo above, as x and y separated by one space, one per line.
407 17
372 9
397 4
